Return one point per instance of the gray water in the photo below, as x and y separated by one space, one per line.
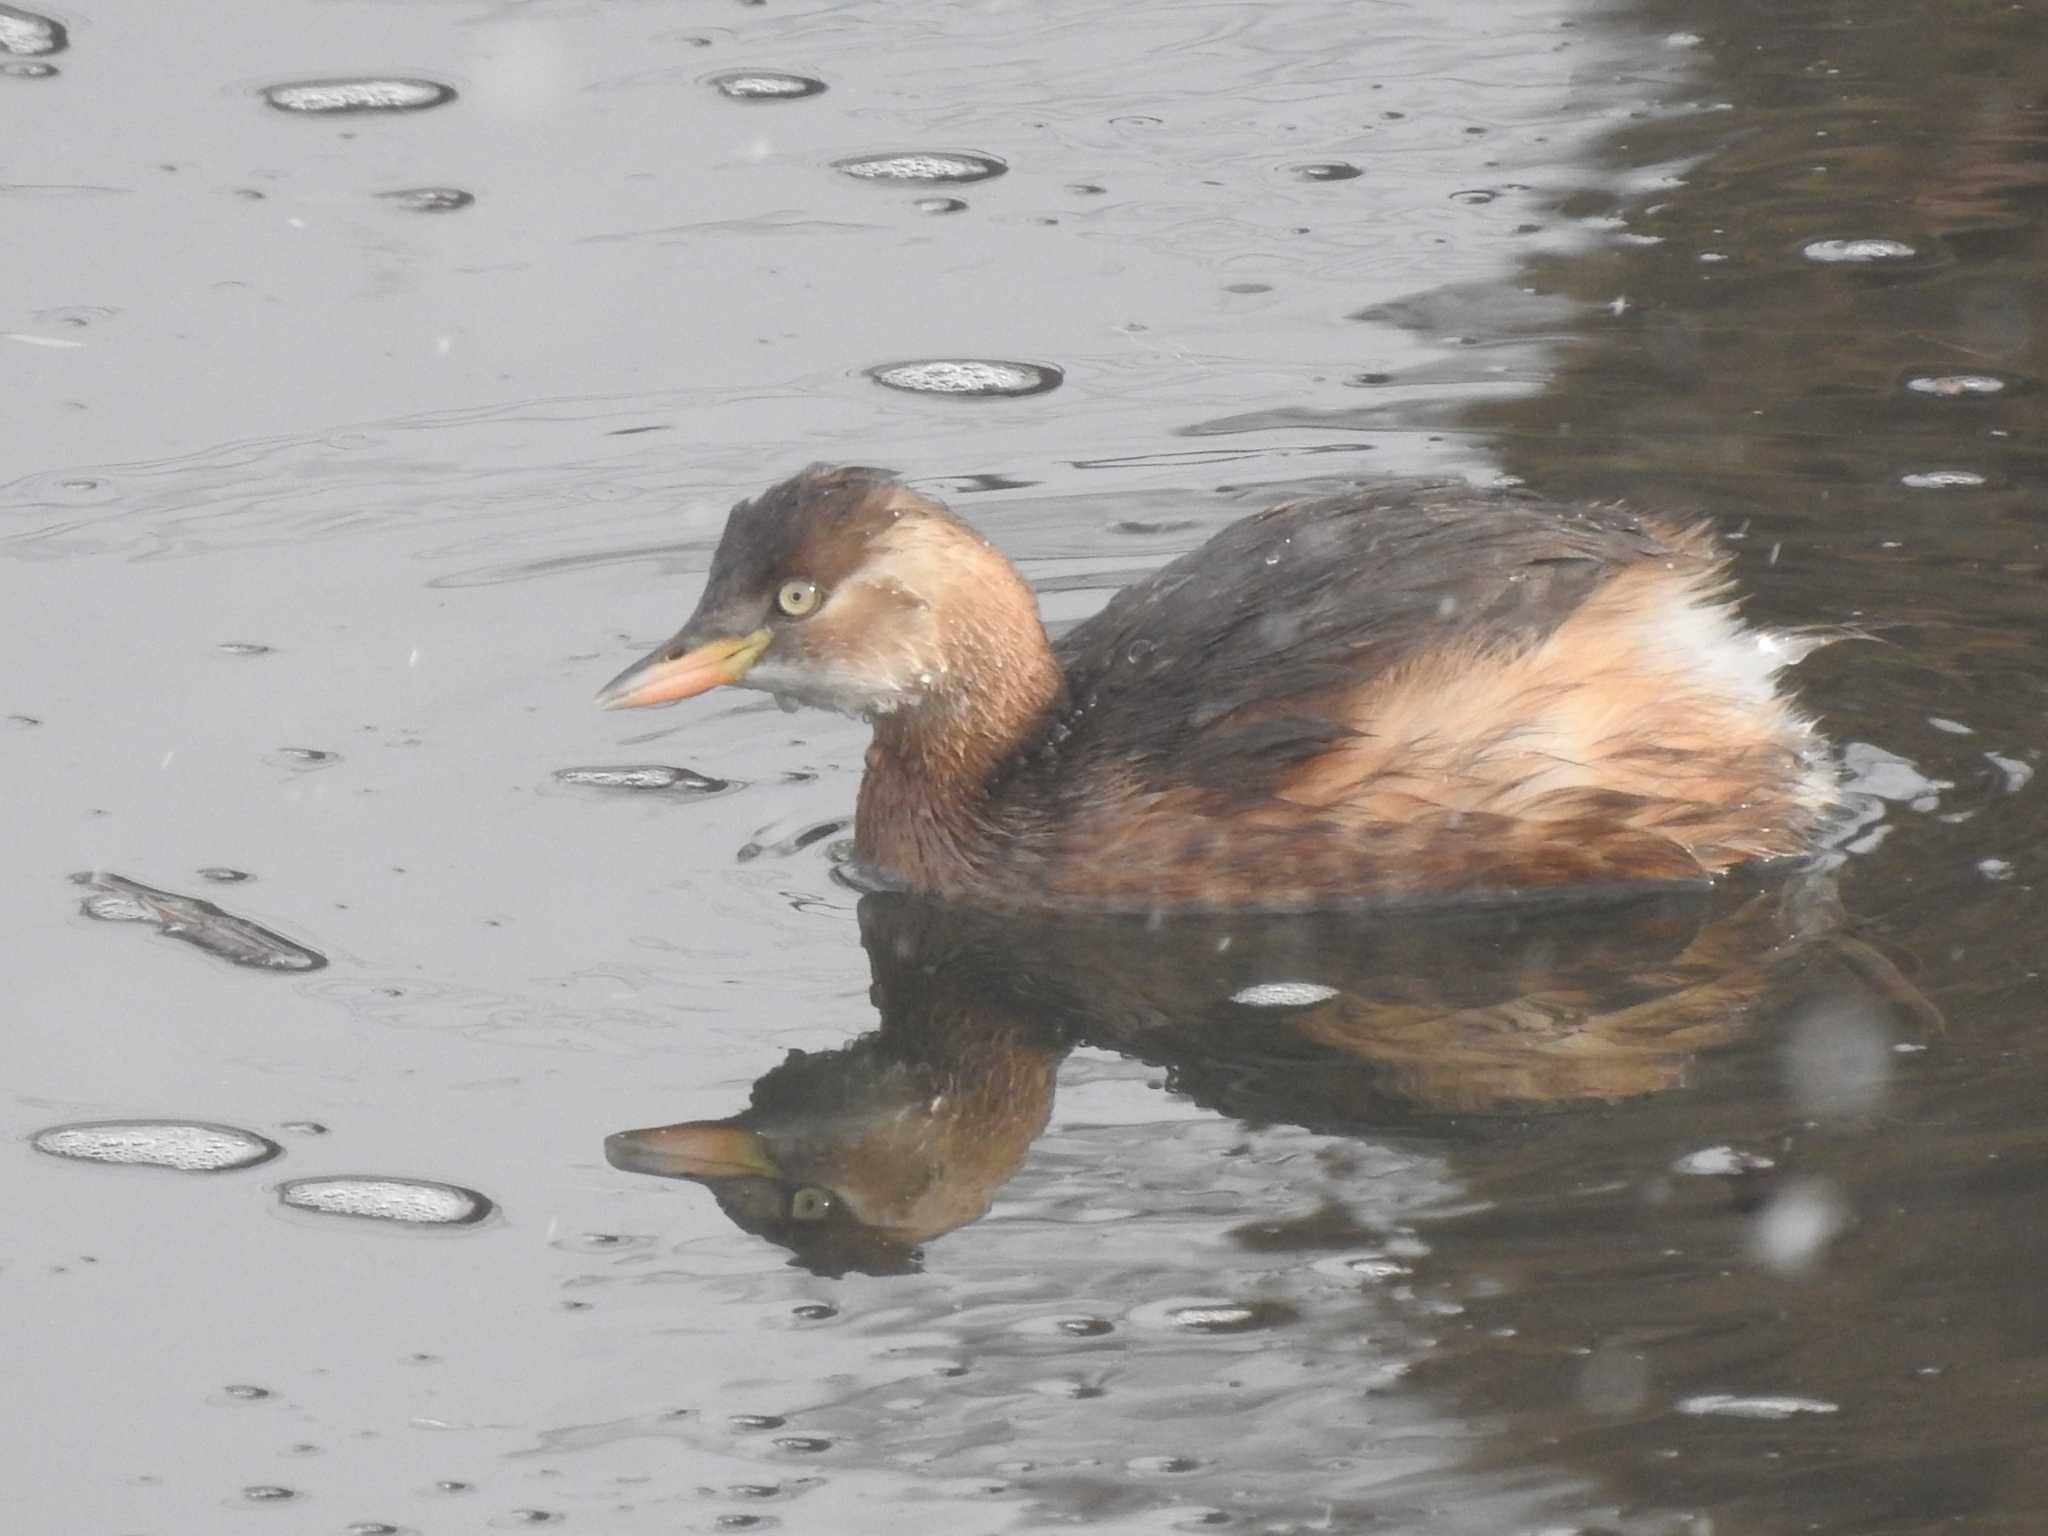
333 494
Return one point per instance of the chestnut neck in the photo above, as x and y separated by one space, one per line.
927 814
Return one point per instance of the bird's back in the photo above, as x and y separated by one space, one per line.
1417 689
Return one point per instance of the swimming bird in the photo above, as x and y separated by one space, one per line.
1409 691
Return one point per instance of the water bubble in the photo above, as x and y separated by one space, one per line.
644 776
28 35
1326 170
1085 1327
939 205
418 1202
28 69
268 1493
1161 1466
952 166
1474 196
1942 479
1838 1061
1378 1270
1727 1405
764 85
1791 1234
429 199
302 757
814 1311
982 378
1614 1380
1283 994
1724 1162
189 1146
1148 526
1219 1317
753 1421
1994 869
599 1242
242 648
364 95
1067 1391
370 1528
803 1445
242 1392
1836 252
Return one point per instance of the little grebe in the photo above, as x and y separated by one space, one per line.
1416 690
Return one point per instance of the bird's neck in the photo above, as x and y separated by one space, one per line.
929 815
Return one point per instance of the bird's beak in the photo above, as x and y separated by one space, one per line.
679 669
695 1149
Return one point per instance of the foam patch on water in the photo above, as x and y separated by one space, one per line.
430 199
968 376
27 34
765 85
417 1202
1726 1405
1942 480
1853 251
1283 994
642 776
189 1146
1956 386
923 166
365 95
1710 1162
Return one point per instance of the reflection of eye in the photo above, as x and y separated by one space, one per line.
797 598
811 1204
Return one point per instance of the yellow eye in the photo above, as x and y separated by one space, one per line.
797 598
811 1203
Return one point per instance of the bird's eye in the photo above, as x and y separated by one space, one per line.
797 598
811 1204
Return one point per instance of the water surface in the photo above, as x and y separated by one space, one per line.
350 451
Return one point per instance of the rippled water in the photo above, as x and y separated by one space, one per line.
324 520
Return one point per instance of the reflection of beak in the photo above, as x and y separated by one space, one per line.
695 1149
673 671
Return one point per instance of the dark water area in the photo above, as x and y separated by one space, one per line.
531 1128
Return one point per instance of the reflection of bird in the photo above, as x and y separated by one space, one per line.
853 1157
1346 1024
1418 689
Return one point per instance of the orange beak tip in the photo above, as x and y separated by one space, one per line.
697 1149
662 678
